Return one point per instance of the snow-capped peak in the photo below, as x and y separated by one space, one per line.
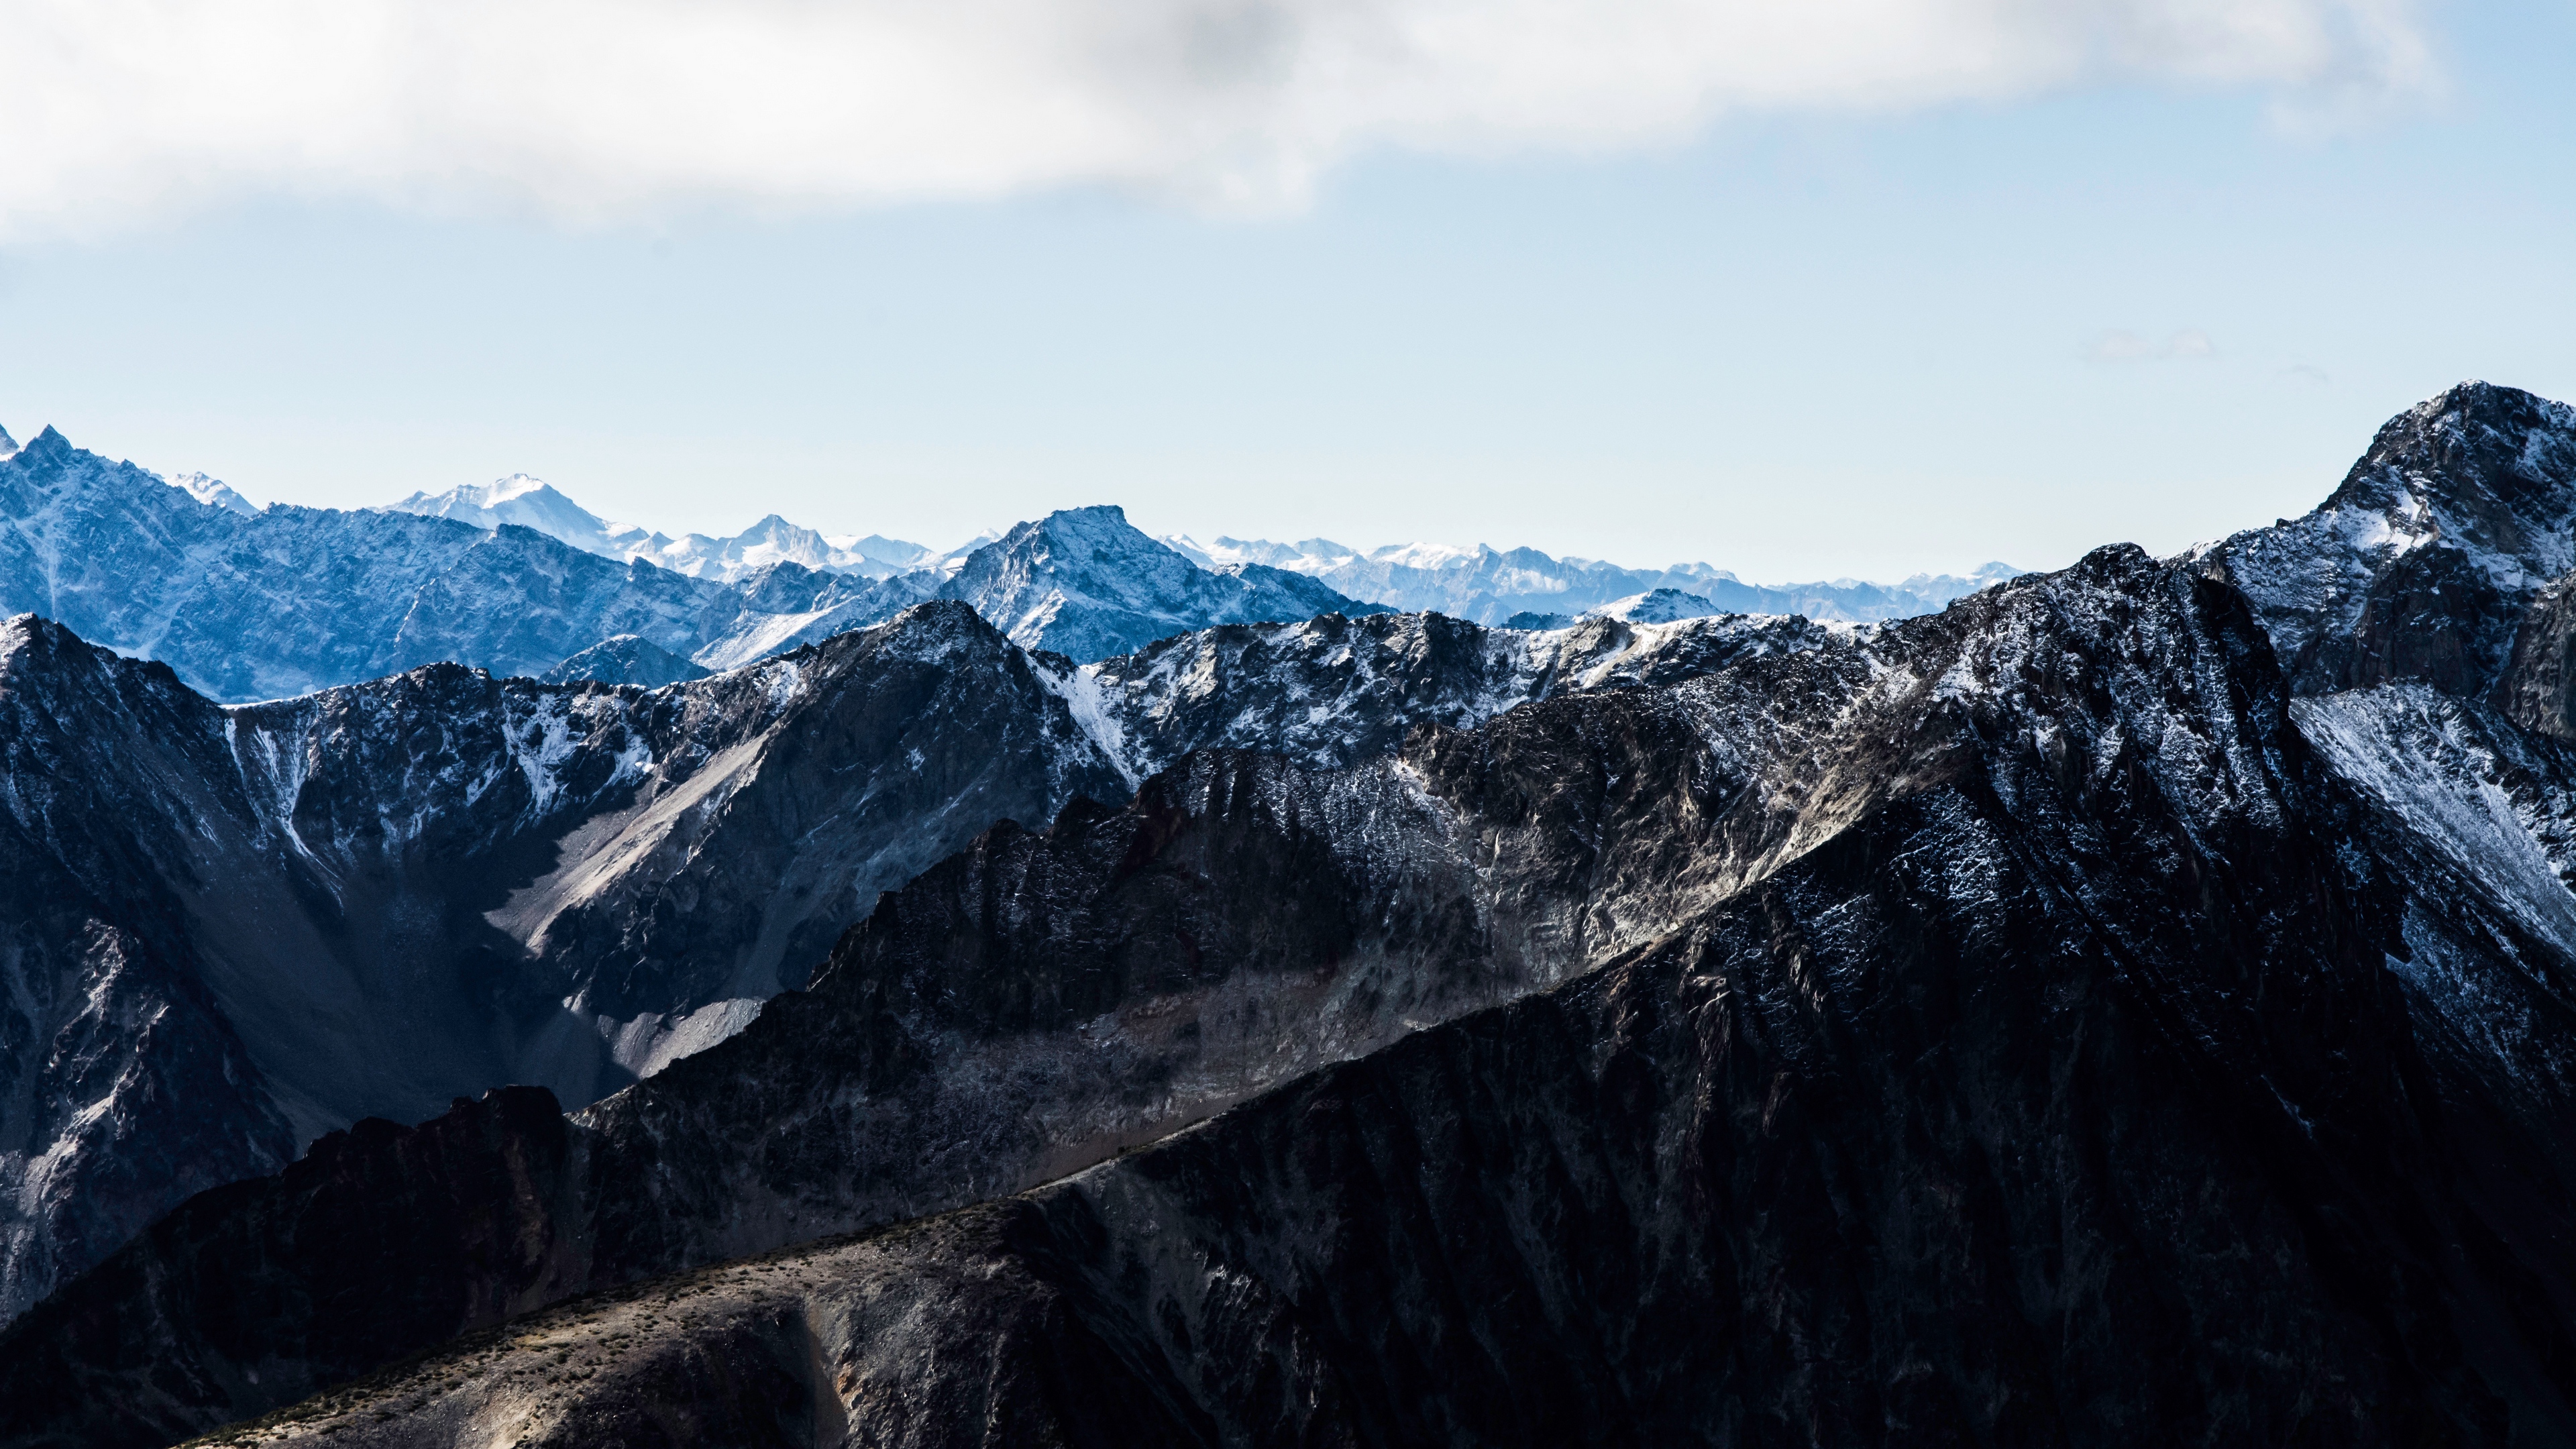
1306 556
8 445
1428 555
212 492
517 485
1656 606
530 502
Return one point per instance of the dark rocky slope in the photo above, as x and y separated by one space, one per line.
908 1081
373 899
370 900
1997 1043
2057 1089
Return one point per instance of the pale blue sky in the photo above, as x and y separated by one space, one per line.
1795 344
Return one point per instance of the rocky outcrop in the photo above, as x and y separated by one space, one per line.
2420 566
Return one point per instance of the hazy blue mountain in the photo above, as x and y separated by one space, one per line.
252 603
1490 585
533 503
287 600
626 659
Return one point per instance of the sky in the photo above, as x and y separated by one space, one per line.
1863 288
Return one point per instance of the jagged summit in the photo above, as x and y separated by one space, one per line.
2420 564
8 444
212 492
529 502
1656 606
2495 468
1086 582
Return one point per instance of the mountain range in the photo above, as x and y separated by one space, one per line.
1481 584
2131 1003
251 604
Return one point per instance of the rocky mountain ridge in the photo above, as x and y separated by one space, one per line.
1829 946
386 895
2114 1007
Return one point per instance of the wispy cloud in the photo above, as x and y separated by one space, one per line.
115 111
2117 346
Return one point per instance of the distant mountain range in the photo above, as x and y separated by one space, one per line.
249 604
1490 585
513 577
531 503
1480 584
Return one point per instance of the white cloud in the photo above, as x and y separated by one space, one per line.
2190 342
114 111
